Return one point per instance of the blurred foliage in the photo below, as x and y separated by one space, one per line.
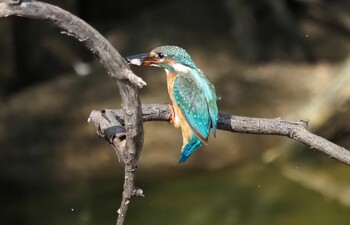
267 58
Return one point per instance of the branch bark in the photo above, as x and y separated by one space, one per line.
116 67
238 124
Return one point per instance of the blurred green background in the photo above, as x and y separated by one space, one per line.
267 58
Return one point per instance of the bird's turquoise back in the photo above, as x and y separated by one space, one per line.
211 99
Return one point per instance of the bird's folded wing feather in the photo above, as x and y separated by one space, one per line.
193 104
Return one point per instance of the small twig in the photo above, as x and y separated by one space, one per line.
248 125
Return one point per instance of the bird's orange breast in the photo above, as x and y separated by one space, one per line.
180 120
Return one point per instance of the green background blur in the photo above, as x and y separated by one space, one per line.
267 58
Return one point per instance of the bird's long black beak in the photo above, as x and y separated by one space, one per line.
141 60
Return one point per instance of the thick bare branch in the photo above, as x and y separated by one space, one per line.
294 130
115 66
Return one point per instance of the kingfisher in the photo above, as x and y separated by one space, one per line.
194 100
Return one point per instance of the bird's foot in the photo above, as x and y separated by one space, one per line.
172 111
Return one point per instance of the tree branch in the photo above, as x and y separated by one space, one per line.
115 66
238 124
123 129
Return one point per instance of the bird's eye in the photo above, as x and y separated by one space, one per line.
160 55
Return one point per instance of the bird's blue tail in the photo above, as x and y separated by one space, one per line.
191 146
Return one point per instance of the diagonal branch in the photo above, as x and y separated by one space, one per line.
238 124
116 67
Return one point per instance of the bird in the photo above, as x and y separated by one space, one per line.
194 100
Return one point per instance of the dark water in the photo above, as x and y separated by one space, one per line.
252 193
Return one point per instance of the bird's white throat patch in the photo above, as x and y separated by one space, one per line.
179 68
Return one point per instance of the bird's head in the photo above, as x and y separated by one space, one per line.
171 58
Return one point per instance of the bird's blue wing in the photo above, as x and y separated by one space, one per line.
191 100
